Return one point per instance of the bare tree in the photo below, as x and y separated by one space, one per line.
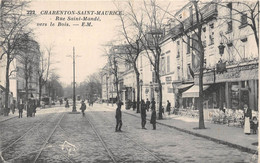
12 27
130 51
150 26
44 69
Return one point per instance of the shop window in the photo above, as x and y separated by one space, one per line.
234 95
244 84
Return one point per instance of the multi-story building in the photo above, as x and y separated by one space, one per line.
236 86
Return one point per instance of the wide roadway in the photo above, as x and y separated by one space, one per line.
55 135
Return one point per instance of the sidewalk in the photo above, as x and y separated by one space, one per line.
39 110
10 116
223 134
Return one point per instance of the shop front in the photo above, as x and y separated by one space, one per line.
231 89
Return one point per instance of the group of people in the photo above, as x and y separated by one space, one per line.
144 107
31 108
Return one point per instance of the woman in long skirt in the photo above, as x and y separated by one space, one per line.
248 116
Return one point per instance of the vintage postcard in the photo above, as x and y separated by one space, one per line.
129 81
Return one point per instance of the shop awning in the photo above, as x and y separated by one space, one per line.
184 86
193 91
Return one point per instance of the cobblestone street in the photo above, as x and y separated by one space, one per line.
55 135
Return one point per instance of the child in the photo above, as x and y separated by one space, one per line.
254 124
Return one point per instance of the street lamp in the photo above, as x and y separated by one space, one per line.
141 85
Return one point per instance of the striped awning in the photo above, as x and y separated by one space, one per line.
193 91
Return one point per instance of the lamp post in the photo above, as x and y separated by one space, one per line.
141 85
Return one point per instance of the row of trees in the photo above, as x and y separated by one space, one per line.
17 43
142 30
90 89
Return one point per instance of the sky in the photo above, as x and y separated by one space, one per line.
88 41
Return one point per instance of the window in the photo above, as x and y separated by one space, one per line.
168 64
141 61
188 45
211 34
204 42
162 66
243 20
154 77
188 71
178 49
230 23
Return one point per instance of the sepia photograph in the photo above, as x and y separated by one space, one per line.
115 81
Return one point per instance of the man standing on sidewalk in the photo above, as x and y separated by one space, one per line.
168 107
153 118
147 104
143 114
118 116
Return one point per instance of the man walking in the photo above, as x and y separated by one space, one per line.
147 104
20 107
143 114
83 108
118 116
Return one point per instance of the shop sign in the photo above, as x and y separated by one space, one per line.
208 78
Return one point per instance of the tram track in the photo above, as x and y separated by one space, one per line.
47 141
37 153
101 140
23 135
151 153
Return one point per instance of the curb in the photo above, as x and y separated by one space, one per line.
244 149
8 118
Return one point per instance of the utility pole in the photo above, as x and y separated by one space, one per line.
74 96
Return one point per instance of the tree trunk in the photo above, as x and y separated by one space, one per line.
201 115
40 90
160 97
7 84
138 90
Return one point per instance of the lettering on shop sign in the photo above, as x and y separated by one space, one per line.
229 75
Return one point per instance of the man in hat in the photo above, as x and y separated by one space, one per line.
118 116
83 108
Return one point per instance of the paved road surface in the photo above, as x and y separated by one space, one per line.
54 135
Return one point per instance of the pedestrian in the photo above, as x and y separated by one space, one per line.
67 104
119 116
254 124
12 108
153 118
248 116
143 113
34 107
168 107
153 104
134 105
147 104
83 108
20 107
